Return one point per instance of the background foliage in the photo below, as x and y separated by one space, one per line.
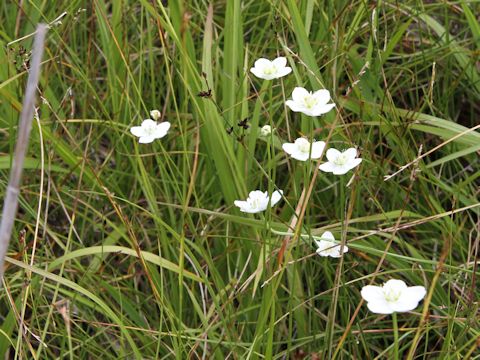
124 250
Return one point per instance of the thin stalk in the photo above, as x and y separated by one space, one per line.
395 335
13 190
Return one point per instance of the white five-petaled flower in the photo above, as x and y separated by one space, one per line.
150 130
328 247
303 150
310 103
258 201
393 296
269 70
340 163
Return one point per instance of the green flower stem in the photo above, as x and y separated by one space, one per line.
395 335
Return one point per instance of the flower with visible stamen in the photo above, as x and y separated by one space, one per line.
149 130
310 103
303 150
340 163
393 296
269 70
257 201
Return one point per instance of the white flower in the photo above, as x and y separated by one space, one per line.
155 114
393 296
150 130
327 247
340 163
310 103
300 149
266 130
258 201
268 70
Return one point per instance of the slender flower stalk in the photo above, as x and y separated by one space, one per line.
395 335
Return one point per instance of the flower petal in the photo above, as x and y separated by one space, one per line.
261 63
276 197
284 71
379 307
325 248
301 156
289 148
257 194
334 252
332 154
148 123
372 293
327 167
294 106
397 285
257 72
321 109
323 96
299 94
240 203
250 210
415 292
317 149
327 235
340 170
302 141
354 163
280 62
404 304
350 153
137 131
146 139
329 248
162 129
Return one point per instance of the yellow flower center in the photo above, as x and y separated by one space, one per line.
391 295
310 101
255 203
150 130
269 70
304 147
341 160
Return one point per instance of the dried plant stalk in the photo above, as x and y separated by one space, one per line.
11 199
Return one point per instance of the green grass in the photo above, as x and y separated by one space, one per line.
140 252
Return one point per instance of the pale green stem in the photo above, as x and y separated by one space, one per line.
395 335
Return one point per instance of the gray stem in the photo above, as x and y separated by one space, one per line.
11 198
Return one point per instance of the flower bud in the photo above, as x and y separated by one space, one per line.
266 130
155 114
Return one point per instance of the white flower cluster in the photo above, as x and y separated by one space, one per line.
394 295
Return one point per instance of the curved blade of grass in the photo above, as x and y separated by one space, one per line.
108 249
